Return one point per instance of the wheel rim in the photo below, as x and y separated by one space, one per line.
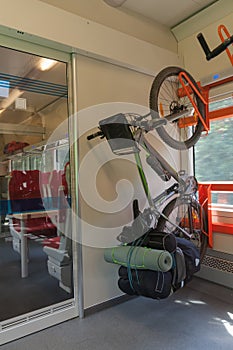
188 218
168 102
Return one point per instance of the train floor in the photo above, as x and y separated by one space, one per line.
23 295
199 316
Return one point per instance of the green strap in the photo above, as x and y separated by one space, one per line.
115 261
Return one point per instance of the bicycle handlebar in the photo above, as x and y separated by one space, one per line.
215 52
96 134
147 125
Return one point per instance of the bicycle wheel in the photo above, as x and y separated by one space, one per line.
164 101
190 216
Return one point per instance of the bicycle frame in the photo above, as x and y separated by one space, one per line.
148 147
177 188
124 136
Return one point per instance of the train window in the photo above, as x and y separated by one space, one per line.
213 157
214 153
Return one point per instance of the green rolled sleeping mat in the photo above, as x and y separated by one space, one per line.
139 258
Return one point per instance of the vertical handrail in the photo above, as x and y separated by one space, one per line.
76 222
210 224
205 200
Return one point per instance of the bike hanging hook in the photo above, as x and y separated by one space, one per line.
222 29
188 91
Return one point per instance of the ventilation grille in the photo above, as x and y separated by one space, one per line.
35 316
218 263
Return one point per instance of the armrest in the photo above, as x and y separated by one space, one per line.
57 255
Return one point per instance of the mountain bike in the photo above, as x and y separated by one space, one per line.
178 114
176 210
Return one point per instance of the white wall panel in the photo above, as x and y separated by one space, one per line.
104 89
82 35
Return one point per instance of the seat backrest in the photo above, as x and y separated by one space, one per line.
24 191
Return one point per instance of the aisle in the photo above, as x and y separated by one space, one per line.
191 319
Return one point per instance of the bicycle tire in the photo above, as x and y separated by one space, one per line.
164 100
198 227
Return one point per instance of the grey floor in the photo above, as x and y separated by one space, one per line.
36 291
200 316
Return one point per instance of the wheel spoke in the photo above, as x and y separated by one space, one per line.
189 217
164 99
